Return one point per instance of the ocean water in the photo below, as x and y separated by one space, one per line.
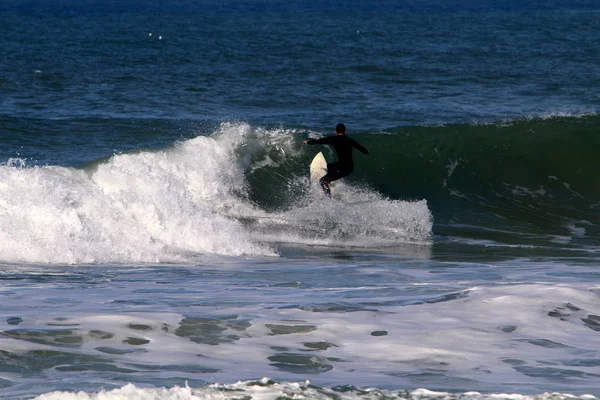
160 238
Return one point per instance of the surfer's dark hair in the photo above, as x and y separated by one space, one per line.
340 128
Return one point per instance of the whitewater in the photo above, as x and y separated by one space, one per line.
355 326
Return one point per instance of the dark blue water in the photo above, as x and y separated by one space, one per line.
375 67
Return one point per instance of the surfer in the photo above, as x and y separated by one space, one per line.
343 147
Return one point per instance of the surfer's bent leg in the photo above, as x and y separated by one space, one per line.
324 182
335 171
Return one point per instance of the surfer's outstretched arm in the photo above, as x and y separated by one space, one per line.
357 146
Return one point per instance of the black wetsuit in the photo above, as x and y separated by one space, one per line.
345 165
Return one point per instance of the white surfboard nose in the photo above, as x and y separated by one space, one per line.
318 169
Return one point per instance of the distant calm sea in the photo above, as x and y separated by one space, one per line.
160 238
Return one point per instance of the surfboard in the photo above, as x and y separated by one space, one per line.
318 169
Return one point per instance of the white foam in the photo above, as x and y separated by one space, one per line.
266 389
353 218
145 207
479 337
130 392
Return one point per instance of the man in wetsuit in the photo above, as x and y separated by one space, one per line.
343 147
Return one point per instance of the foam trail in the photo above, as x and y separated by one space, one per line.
352 218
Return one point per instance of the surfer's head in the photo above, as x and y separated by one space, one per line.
340 129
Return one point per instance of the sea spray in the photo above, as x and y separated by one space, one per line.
150 206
